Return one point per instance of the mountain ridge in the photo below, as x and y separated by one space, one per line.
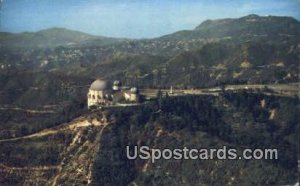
241 28
51 37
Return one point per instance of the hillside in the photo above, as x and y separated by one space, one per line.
251 24
91 149
248 27
52 37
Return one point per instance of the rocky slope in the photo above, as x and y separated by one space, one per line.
63 154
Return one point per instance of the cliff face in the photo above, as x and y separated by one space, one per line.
58 156
91 150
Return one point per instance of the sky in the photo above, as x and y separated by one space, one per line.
132 18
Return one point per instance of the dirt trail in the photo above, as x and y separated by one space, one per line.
77 123
5 168
76 140
75 146
29 110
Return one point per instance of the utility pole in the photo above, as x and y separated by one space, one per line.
171 90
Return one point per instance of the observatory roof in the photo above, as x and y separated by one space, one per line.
134 90
98 85
117 83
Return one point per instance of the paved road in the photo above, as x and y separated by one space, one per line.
279 89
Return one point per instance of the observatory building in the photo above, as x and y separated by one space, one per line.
132 95
99 93
102 94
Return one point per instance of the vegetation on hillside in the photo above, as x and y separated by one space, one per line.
202 122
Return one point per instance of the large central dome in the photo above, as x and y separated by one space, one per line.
98 85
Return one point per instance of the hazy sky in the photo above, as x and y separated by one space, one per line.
132 18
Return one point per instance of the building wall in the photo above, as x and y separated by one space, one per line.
134 97
131 97
96 97
116 87
99 97
127 96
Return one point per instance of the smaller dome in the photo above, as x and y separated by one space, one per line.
134 90
117 83
98 85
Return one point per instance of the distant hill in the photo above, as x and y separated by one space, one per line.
52 37
247 27
250 49
252 24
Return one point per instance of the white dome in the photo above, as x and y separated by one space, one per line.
98 85
117 83
134 90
